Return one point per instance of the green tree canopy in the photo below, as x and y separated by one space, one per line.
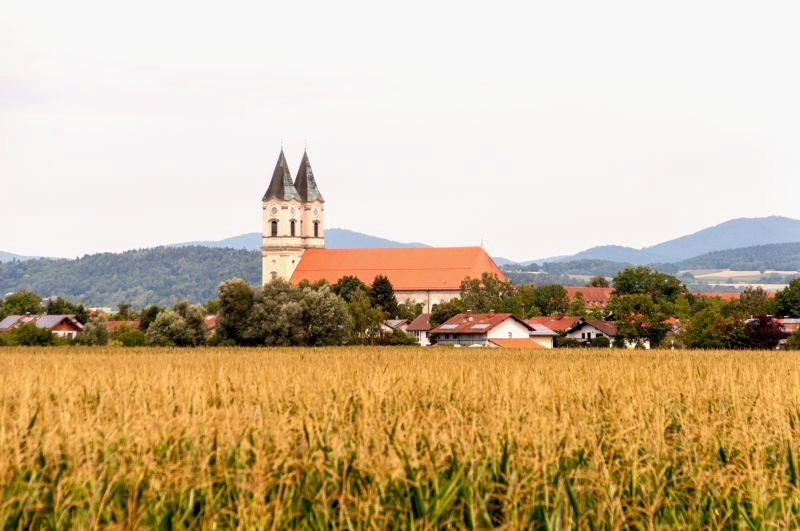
598 281
366 319
381 293
236 298
347 285
787 301
21 303
644 281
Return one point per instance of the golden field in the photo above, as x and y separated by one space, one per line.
387 437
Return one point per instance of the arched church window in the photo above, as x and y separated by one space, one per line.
274 227
316 229
291 227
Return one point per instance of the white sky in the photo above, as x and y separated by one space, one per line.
541 128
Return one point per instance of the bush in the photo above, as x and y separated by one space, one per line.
566 342
29 335
128 337
601 342
399 338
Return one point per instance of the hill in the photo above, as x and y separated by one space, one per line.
334 239
149 276
736 233
777 256
7 257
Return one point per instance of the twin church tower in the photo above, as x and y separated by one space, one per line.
292 219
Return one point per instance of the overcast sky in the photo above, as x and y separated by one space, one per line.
539 128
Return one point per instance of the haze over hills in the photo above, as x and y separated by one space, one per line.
7 257
334 239
736 233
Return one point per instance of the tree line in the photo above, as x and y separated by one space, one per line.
645 306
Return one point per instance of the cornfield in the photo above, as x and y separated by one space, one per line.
388 438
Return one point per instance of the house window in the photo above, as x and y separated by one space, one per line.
509 335
583 335
274 228
274 275
316 229
291 227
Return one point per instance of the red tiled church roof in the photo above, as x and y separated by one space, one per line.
424 268
591 296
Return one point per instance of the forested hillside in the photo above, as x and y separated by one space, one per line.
779 256
150 276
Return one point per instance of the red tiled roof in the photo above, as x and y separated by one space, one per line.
607 327
554 322
425 268
474 323
211 322
420 324
591 296
113 325
516 343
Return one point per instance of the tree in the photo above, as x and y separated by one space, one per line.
128 337
366 319
577 306
277 315
167 330
708 329
236 298
598 281
381 295
639 318
347 285
551 299
147 316
125 312
60 306
787 301
446 310
29 334
95 332
486 293
21 303
763 333
409 309
325 320
195 318
643 281
752 301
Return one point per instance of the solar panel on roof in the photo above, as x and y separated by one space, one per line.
480 326
448 326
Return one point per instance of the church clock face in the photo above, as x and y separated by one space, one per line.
293 211
315 212
273 210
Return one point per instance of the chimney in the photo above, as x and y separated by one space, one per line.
469 315
491 313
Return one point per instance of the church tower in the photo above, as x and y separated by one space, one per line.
292 219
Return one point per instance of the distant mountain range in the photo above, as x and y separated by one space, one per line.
736 233
334 239
194 269
7 257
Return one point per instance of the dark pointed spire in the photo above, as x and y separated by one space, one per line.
305 184
281 187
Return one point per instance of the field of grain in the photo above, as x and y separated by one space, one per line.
386 437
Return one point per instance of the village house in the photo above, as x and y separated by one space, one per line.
293 248
557 323
543 335
584 331
63 326
485 330
390 325
420 329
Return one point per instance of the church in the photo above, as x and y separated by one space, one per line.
293 247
